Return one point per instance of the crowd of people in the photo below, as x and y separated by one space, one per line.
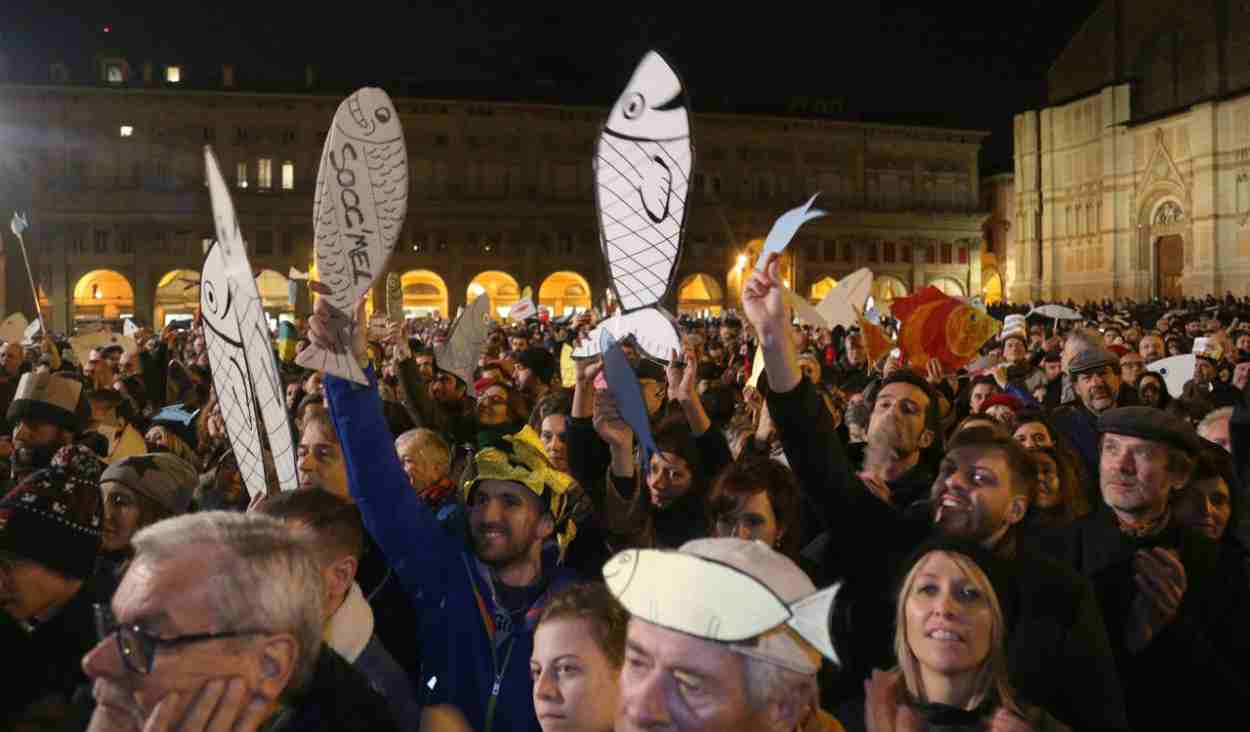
1050 538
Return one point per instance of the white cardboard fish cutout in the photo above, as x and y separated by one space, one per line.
465 341
843 303
358 211
784 229
642 167
129 328
13 328
240 351
1057 312
804 311
32 330
729 606
1176 371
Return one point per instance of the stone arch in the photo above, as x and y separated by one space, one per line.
821 287
501 287
425 293
700 293
949 286
1164 212
103 294
177 296
564 292
886 289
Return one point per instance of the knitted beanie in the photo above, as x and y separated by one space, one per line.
53 516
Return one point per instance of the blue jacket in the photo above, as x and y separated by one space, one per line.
469 661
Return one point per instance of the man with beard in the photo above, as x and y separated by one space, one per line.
902 424
435 398
1151 348
1175 601
99 369
47 411
535 367
1205 385
1058 653
851 372
1095 374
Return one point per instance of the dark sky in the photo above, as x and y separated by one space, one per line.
959 64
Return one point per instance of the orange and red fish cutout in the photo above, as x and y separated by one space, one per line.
933 325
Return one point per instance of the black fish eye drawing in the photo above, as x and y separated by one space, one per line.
634 106
382 115
210 294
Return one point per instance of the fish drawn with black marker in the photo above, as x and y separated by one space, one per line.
358 211
642 177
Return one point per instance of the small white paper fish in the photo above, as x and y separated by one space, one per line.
240 351
784 229
642 175
361 199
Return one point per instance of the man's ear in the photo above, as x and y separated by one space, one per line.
1017 508
279 654
926 439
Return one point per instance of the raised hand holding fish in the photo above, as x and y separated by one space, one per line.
361 200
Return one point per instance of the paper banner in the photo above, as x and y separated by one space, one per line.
394 298
240 353
568 367
841 306
524 307
627 393
13 328
784 229
31 331
466 341
359 206
643 159
1176 371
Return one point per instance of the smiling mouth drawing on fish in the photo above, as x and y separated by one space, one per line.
642 169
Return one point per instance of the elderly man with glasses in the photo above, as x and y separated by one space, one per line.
217 625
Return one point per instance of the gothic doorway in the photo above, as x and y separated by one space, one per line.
1169 264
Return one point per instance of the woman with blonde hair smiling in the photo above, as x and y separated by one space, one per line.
950 642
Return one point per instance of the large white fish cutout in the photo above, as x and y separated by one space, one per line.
841 306
784 229
465 341
804 311
1176 371
240 352
642 173
358 211
729 605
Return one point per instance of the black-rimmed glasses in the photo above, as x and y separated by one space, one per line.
138 647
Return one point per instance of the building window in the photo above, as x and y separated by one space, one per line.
946 254
830 251
114 74
907 253
241 175
173 74
963 255
848 252
101 242
872 252
264 174
288 244
264 243
888 252
288 176
126 130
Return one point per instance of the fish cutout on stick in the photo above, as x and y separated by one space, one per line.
240 352
642 166
465 341
933 324
394 298
1056 312
524 307
622 382
1176 371
698 596
13 328
358 211
32 330
784 229
842 305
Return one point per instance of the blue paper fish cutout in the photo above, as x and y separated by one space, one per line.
19 224
625 389
784 229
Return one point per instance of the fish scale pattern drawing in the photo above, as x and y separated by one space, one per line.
358 211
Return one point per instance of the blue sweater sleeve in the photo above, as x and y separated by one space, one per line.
415 545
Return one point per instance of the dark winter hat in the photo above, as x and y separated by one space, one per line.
165 478
181 422
1149 423
539 360
53 516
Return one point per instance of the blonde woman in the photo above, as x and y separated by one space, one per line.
950 642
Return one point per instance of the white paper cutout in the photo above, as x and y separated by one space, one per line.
1057 312
358 211
1176 371
642 168
32 330
840 305
465 341
13 328
784 229
523 308
240 351
804 311
651 328
730 605
129 328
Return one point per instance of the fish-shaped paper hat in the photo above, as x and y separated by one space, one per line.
750 597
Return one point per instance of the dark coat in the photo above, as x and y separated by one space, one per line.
1203 654
337 698
1057 648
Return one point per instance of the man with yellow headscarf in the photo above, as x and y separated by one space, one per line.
478 599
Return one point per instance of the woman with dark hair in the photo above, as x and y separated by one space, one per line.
758 498
1153 390
1205 504
1060 497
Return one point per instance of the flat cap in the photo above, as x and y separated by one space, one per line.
1092 358
1149 423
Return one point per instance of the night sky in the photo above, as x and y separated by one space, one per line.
967 64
